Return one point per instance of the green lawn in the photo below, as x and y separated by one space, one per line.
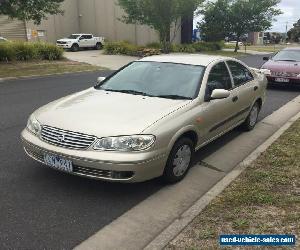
265 199
19 69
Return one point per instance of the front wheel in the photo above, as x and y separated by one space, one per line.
179 160
75 47
251 120
98 46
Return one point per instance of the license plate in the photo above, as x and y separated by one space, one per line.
58 163
281 80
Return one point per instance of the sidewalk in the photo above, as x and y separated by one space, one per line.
97 58
263 200
251 52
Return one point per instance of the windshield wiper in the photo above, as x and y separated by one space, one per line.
132 92
175 97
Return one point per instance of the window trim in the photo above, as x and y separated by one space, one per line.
233 83
229 72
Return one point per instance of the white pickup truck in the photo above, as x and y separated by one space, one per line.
77 41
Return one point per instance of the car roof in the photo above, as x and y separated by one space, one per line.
192 59
292 48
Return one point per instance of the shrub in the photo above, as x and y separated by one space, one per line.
183 48
7 53
208 46
126 48
48 51
24 51
154 45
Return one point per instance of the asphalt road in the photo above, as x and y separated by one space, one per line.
43 209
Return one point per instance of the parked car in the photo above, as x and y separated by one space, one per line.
284 66
147 119
2 39
76 41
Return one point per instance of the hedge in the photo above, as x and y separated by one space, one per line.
25 51
126 48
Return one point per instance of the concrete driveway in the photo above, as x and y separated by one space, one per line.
96 57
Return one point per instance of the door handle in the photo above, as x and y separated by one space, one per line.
235 99
255 88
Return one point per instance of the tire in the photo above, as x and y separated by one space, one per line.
98 46
251 120
75 47
181 154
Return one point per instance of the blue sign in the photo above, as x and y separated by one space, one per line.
257 240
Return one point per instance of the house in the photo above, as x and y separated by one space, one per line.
100 17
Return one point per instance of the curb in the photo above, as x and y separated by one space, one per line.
188 216
39 76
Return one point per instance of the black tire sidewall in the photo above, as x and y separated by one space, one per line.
75 47
98 46
168 175
247 125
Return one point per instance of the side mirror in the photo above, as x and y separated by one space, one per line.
265 58
100 79
219 94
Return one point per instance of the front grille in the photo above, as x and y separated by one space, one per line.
59 42
92 172
67 139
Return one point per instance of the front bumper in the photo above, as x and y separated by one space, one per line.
64 46
110 166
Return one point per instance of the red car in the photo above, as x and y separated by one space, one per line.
284 66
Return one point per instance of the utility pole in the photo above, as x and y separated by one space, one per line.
286 30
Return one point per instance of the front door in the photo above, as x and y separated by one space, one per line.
217 115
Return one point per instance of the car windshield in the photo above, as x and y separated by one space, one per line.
288 55
73 36
165 80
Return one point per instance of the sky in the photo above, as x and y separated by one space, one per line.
291 14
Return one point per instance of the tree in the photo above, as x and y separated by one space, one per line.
294 33
227 17
159 15
35 10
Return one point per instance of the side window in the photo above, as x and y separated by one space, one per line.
239 73
88 37
218 78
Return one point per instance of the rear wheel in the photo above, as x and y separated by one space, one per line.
251 120
75 47
98 46
179 160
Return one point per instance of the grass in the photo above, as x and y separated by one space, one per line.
265 199
19 69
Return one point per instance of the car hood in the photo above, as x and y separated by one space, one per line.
282 66
101 113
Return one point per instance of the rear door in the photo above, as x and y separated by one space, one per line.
245 86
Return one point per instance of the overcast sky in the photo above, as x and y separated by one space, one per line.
291 13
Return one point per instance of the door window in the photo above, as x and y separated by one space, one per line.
240 73
219 78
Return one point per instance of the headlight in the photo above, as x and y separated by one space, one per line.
33 125
125 143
